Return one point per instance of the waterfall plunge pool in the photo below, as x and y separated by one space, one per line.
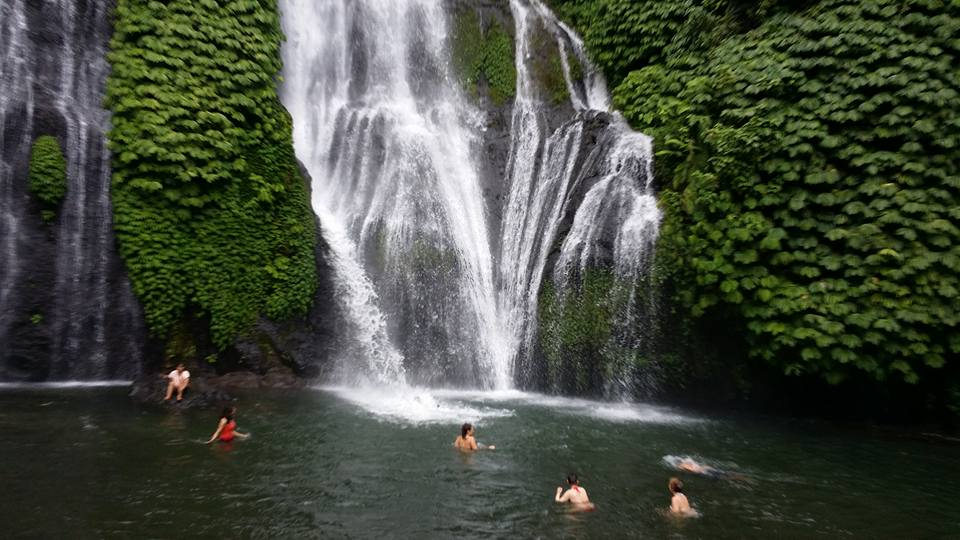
348 463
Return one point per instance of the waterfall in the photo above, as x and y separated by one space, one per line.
62 289
388 139
619 208
440 280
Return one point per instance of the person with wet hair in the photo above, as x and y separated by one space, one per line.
679 505
576 495
226 429
467 442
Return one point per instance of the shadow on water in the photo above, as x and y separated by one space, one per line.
322 465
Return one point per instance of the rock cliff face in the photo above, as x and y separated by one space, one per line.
66 307
67 310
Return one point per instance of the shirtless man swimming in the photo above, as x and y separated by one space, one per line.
576 495
679 505
467 442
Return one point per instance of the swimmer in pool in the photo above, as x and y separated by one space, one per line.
576 495
226 429
466 441
679 505
689 465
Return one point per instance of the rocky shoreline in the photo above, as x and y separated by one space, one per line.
208 391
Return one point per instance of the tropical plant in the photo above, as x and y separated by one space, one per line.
807 154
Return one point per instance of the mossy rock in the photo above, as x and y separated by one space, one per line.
483 56
578 330
48 175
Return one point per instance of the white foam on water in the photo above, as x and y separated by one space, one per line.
621 411
407 404
450 406
61 384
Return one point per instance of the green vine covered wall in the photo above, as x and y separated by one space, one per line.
808 155
211 212
48 175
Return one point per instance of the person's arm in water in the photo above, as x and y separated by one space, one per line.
223 422
472 444
562 498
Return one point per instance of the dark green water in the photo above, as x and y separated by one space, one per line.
87 463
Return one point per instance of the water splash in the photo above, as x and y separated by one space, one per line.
618 207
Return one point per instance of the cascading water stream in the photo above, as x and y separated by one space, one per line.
16 91
387 137
620 208
393 143
53 85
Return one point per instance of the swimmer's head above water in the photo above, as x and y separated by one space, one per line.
466 429
675 485
572 479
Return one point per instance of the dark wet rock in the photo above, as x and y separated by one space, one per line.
201 394
68 310
279 378
237 379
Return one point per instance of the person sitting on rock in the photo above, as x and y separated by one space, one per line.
179 379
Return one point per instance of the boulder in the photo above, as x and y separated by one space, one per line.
201 394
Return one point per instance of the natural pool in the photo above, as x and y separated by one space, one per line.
336 463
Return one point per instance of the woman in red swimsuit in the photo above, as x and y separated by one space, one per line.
226 429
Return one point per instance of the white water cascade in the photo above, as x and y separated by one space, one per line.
62 289
438 293
387 137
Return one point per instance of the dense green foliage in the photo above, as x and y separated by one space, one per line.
484 52
808 158
210 209
48 175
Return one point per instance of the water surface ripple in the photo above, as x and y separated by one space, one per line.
87 463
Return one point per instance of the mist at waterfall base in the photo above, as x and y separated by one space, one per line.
87 463
438 260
